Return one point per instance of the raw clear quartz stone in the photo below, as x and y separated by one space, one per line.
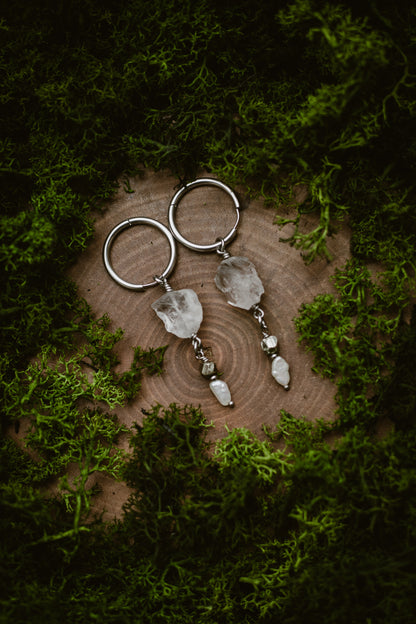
237 278
221 391
181 312
280 371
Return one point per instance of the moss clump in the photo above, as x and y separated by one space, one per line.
63 400
253 535
358 340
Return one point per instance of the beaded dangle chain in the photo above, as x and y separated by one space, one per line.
236 276
180 310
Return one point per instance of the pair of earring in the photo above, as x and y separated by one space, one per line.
181 310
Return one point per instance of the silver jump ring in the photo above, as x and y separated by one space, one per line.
180 194
129 223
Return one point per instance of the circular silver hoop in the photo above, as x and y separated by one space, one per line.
180 194
129 223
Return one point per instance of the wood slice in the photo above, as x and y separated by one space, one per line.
231 334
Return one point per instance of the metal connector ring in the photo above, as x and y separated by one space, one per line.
180 194
127 224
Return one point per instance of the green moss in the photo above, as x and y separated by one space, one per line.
327 535
357 339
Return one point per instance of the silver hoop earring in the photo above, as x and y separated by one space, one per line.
180 310
236 276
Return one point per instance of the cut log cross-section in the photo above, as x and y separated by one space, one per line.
230 335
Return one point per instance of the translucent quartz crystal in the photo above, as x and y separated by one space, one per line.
181 312
280 371
237 278
221 391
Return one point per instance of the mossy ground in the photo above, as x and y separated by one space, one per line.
268 95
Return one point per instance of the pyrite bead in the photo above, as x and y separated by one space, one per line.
270 345
208 369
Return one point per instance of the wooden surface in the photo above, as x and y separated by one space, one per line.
232 335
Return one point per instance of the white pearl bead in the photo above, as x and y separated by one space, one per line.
280 371
221 391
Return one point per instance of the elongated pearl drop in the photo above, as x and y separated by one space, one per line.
221 392
280 371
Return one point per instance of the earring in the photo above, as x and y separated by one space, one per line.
180 310
236 276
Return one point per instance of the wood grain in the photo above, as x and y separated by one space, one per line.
232 335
